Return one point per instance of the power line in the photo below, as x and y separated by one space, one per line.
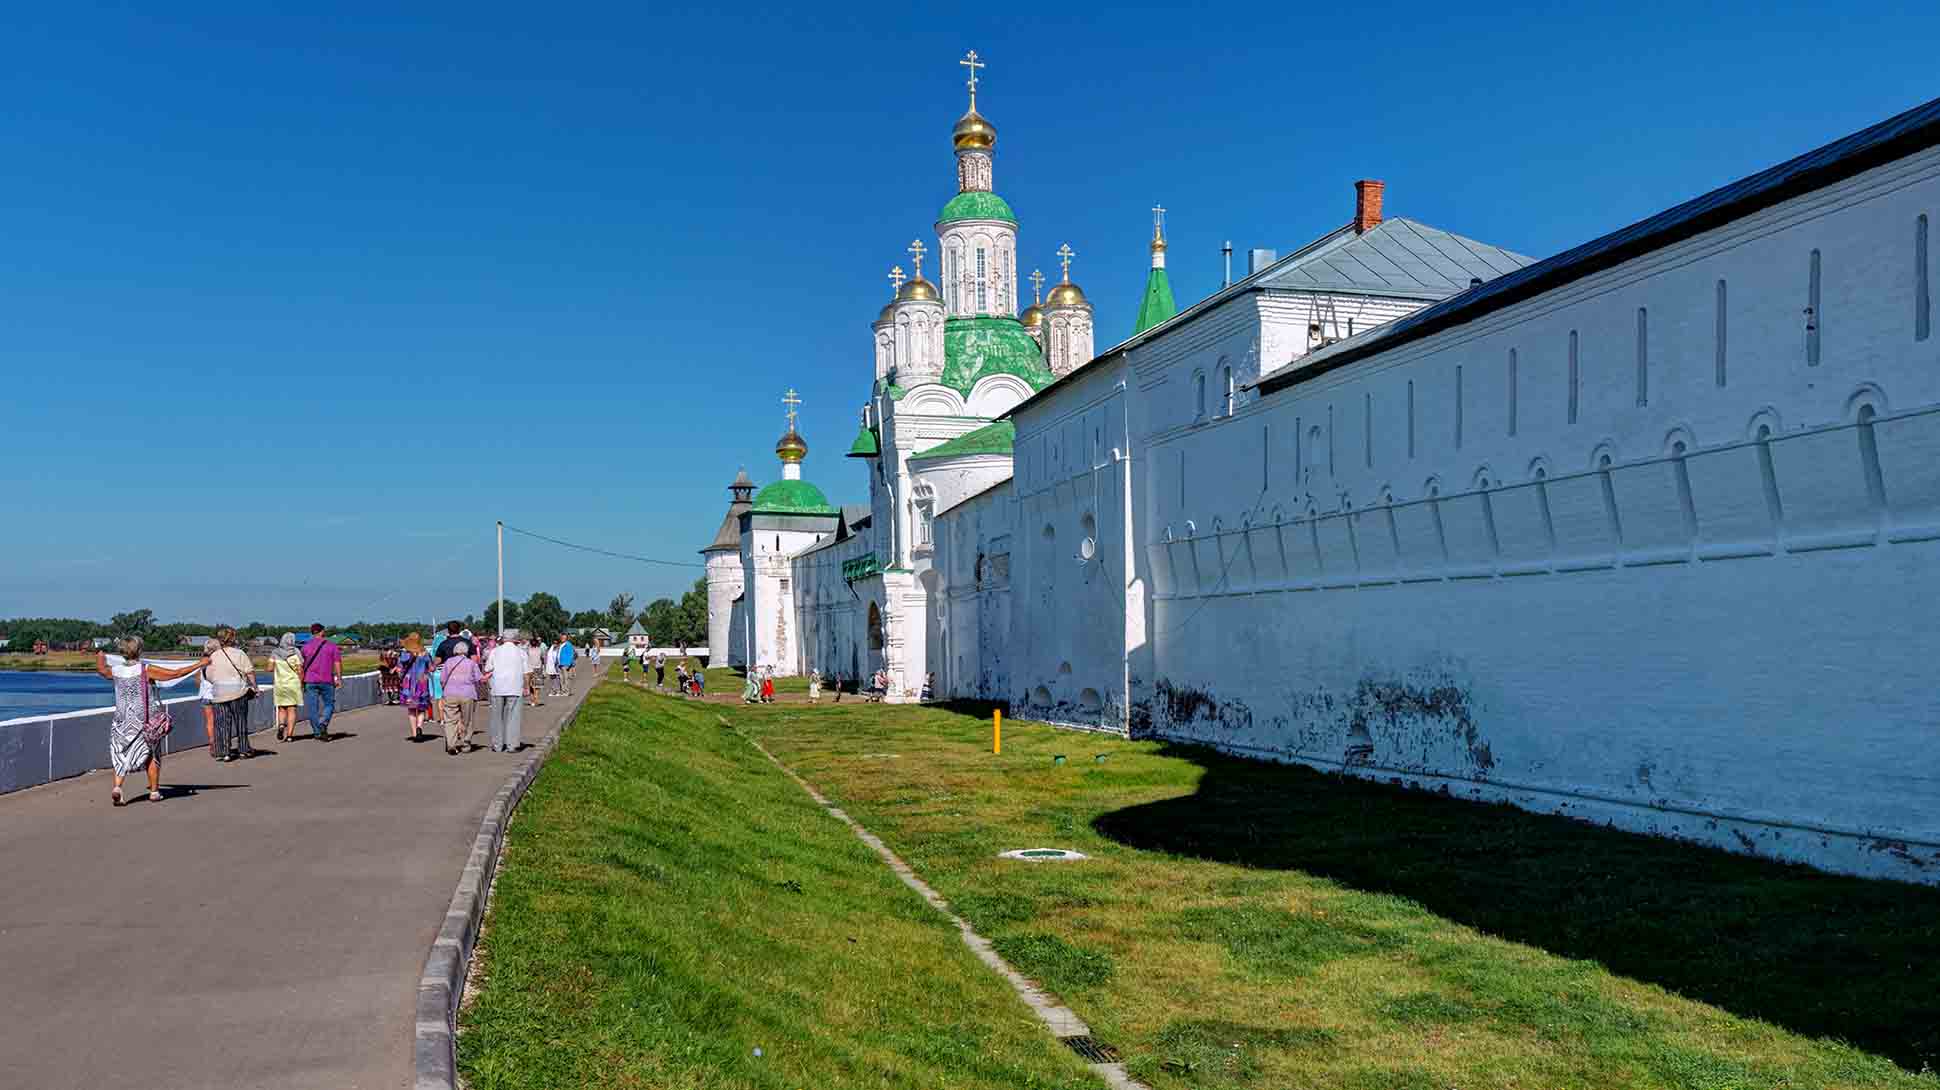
606 552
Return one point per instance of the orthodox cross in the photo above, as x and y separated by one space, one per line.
916 250
791 400
972 64
1158 218
1065 254
1037 286
896 279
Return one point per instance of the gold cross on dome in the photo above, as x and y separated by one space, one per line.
1037 286
791 400
1158 217
1065 254
916 250
970 61
896 279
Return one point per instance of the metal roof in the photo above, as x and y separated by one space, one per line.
1896 137
1408 261
1397 257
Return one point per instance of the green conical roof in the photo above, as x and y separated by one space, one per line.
1157 305
865 445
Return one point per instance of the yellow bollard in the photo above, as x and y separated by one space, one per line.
996 730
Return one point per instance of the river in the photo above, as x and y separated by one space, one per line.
50 692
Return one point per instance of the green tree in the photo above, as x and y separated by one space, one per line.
619 613
589 618
514 617
138 622
693 614
543 615
662 618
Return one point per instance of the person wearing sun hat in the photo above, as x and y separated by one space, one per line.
414 691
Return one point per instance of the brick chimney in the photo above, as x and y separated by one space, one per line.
1367 205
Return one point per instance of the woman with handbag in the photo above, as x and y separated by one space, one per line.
141 719
414 691
232 679
288 687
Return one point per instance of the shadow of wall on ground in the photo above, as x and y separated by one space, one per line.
1822 955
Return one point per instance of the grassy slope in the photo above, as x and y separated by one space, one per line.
1250 925
670 902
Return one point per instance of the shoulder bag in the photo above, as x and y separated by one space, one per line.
155 720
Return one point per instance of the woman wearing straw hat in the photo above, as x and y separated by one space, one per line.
414 690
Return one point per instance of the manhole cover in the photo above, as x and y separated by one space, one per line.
1092 1049
1042 855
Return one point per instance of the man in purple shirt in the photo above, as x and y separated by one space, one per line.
323 671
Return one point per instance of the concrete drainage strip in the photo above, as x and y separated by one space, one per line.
434 1051
1062 1021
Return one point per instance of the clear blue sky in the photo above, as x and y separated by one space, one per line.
297 304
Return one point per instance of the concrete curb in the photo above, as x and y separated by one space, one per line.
434 1051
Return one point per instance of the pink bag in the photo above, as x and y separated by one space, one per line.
155 720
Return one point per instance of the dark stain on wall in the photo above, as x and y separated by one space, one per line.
1400 712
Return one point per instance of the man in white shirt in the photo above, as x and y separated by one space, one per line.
506 671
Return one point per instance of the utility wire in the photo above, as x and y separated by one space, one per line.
606 552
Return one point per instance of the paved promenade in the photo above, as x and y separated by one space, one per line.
262 926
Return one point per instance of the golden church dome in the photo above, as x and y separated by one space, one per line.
1032 317
973 132
888 312
1066 294
791 447
918 288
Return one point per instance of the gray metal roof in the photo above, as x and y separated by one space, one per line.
1896 137
1397 257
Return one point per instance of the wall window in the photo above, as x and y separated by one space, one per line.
983 282
1232 391
1198 395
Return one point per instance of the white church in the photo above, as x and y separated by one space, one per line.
1645 533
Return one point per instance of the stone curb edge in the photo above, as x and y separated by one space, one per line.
434 1050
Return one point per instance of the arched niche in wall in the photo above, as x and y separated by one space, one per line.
932 398
994 395
875 627
1865 396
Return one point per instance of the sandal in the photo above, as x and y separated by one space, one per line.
115 796
154 796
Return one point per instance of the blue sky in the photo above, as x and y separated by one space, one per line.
297 304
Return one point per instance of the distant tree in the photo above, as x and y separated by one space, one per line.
662 620
543 615
513 616
693 614
138 622
589 618
619 613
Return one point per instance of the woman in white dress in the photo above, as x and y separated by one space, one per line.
134 680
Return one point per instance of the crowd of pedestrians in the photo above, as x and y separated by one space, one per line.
446 682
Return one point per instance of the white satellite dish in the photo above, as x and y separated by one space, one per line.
1087 549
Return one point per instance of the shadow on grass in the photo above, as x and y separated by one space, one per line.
1819 954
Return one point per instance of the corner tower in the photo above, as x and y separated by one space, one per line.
723 563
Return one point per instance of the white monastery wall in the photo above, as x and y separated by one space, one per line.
971 653
831 617
1660 547
766 545
1072 483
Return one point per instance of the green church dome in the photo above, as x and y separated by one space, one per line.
792 498
974 348
976 206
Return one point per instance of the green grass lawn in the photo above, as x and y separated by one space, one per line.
1249 925
670 903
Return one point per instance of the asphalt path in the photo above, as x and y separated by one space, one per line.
263 925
